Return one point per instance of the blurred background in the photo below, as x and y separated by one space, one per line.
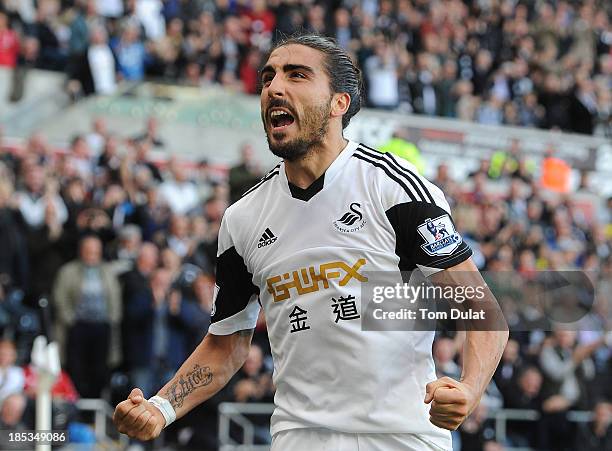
128 126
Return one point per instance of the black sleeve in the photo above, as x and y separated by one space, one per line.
425 235
234 285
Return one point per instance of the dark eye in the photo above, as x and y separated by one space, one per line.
297 75
267 78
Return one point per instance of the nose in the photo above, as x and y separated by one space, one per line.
276 88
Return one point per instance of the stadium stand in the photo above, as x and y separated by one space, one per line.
537 64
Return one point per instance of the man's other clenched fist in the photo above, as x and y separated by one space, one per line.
451 402
138 418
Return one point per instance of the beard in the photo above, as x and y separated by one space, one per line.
314 123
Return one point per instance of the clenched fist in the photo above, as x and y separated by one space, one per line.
138 418
451 402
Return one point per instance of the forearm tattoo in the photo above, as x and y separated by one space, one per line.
187 383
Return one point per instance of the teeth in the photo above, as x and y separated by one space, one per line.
277 113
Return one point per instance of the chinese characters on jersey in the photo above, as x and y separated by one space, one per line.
344 308
297 319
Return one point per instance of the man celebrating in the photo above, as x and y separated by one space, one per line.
297 245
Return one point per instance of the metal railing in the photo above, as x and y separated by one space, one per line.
233 412
103 413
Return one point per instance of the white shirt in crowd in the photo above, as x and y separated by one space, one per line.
181 197
33 208
12 381
383 86
149 12
103 69
110 8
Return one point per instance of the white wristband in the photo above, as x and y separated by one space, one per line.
166 409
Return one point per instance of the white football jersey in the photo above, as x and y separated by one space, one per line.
300 254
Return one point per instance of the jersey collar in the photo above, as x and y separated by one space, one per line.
330 174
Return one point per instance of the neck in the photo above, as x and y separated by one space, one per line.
306 170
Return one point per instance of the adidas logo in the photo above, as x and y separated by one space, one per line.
266 239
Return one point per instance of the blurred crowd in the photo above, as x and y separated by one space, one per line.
112 254
532 63
525 240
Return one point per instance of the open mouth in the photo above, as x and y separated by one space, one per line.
280 119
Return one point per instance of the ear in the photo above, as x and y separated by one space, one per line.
340 104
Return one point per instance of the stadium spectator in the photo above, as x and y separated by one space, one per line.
567 369
102 72
509 368
9 43
170 261
97 136
249 71
253 383
189 311
83 16
134 286
179 239
146 332
596 435
88 306
23 11
476 430
38 196
167 50
203 291
79 158
244 175
178 192
13 258
149 13
344 30
51 54
151 133
124 254
12 399
444 351
204 246
131 53
48 246
142 159
152 216
160 323
524 393
38 148
109 159
400 145
110 8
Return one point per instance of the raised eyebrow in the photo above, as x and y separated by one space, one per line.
287 68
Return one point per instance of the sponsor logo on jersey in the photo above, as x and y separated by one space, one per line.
352 220
308 280
266 239
439 235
